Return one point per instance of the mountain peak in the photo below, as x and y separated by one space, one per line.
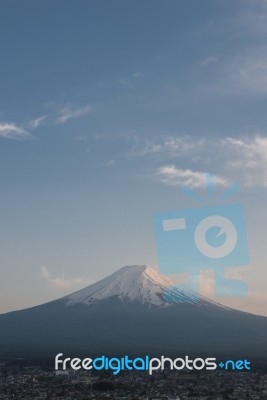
134 284
132 311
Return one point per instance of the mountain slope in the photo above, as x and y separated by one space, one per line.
133 311
134 284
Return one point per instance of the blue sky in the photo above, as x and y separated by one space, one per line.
107 109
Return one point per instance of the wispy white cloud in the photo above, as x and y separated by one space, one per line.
124 82
169 145
241 160
244 73
62 282
173 176
253 20
249 73
68 112
208 60
34 123
10 130
138 74
247 156
128 81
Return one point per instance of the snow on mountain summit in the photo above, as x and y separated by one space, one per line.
134 284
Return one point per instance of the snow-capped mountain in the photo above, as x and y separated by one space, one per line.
133 311
135 284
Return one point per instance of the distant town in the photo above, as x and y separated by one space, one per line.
39 382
